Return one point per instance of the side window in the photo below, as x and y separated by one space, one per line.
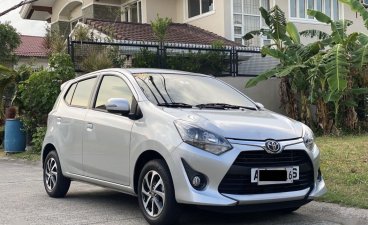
112 87
83 92
69 95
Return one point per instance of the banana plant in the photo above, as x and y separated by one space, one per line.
321 73
287 48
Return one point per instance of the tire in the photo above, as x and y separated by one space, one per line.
56 185
170 211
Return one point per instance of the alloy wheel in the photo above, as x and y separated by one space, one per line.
51 173
153 193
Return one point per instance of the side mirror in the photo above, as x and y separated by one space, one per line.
118 105
260 105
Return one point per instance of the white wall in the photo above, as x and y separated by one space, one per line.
34 62
266 92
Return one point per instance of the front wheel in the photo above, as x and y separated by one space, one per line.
56 185
156 194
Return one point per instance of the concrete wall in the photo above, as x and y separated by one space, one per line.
34 62
266 92
165 8
213 21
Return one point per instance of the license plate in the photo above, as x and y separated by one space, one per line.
267 176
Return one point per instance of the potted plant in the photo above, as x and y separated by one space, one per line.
15 137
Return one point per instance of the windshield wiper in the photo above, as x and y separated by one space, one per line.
175 105
223 106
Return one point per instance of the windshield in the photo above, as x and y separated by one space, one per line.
189 90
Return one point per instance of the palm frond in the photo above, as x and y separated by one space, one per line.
275 53
293 32
315 33
261 77
288 70
360 57
337 68
277 22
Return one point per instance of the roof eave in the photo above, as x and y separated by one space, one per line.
24 11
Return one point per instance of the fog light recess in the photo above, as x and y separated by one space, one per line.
319 177
197 179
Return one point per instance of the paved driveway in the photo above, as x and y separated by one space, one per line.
24 201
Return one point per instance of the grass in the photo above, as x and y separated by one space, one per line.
344 165
28 155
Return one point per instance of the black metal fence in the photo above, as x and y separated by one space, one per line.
219 61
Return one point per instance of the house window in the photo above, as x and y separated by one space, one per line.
133 12
246 18
198 7
298 8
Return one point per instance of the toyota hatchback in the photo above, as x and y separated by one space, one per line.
173 138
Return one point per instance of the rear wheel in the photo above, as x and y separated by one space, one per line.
56 185
156 194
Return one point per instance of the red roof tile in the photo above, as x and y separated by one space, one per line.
31 46
177 32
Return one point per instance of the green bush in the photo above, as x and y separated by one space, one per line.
37 139
145 59
62 65
37 96
210 62
97 60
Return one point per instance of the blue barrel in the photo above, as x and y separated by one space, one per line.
15 136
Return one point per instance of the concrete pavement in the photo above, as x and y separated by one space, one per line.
23 201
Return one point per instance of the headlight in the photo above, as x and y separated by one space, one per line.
308 137
202 138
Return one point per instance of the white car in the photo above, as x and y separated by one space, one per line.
173 138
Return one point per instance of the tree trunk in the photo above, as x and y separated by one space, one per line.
288 101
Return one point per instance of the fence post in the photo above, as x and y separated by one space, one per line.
68 44
161 56
72 52
234 61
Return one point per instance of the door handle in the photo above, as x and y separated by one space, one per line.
89 126
58 120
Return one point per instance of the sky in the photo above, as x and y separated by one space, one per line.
25 27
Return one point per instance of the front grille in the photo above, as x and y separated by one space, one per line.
238 178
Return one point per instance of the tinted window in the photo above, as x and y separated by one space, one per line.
69 94
112 87
83 92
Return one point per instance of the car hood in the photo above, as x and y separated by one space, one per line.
238 124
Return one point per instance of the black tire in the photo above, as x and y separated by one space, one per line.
62 184
170 212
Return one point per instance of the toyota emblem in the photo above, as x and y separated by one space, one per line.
273 147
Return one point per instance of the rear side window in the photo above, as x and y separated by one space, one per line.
69 94
112 87
83 93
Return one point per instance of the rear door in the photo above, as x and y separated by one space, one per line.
106 139
70 122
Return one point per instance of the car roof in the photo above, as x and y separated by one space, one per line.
144 70
132 71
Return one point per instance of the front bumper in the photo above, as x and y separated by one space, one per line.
216 167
